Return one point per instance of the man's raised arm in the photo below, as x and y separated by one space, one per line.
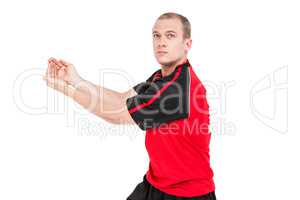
105 103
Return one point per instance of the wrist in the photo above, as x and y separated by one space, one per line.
70 90
74 82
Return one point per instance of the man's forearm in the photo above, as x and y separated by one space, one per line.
101 101
85 86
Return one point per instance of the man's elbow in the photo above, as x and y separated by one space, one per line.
112 121
120 119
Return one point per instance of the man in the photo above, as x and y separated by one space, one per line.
170 105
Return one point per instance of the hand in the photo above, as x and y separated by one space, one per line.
60 76
59 85
63 70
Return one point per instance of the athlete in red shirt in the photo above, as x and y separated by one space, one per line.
170 106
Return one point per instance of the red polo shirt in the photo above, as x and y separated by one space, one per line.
175 114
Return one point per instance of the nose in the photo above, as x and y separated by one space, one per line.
162 43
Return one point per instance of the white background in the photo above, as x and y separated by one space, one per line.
51 150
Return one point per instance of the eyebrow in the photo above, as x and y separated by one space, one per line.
169 31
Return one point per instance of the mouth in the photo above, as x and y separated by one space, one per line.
161 52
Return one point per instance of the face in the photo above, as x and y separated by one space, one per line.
169 44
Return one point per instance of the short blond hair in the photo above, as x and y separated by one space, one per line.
186 26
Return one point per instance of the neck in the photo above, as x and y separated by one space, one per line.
169 68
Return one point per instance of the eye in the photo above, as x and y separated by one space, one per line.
170 35
155 35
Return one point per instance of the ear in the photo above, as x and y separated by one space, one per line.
188 44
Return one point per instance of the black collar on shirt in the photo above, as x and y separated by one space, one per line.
157 76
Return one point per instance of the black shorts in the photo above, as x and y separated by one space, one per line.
145 191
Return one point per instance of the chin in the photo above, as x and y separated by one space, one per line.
164 61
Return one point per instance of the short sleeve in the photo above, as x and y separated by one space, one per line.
140 87
158 103
143 86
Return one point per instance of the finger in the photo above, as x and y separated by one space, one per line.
65 63
61 73
48 71
57 63
48 80
55 67
51 59
51 69
50 83
52 66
